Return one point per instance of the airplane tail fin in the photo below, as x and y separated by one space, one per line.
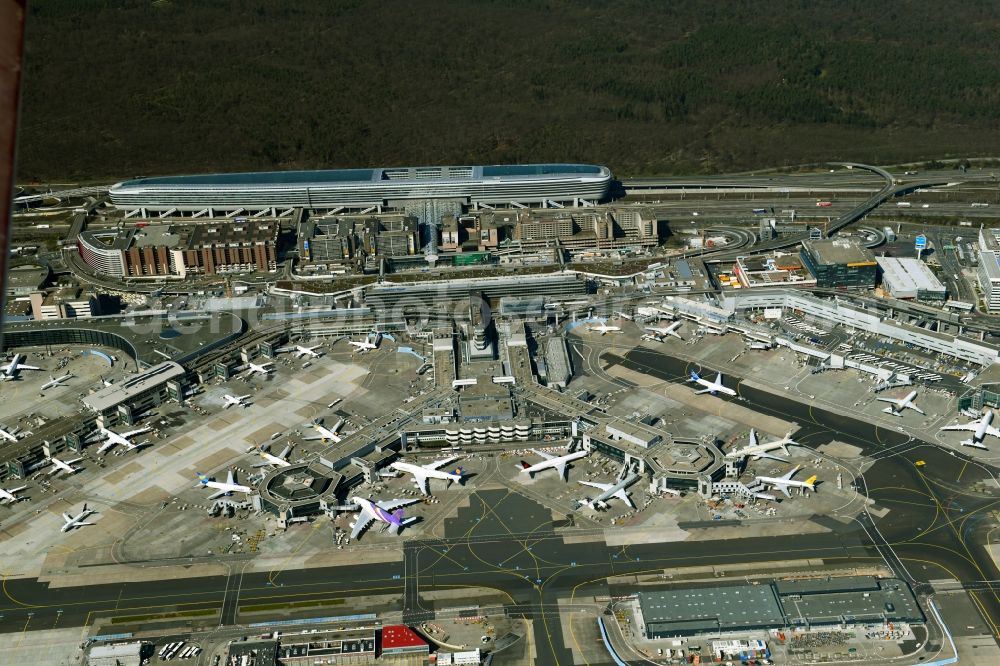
524 465
202 478
811 482
398 515
694 376
461 475
84 506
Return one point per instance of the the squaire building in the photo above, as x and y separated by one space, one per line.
525 184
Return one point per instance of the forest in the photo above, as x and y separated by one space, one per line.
119 88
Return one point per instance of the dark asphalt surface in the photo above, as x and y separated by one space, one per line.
935 529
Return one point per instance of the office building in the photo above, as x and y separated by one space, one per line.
839 263
989 267
64 303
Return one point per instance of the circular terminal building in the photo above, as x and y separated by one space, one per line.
498 185
300 490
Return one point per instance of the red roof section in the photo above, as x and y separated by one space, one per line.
400 636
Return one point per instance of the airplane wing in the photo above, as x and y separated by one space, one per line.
365 518
707 390
547 456
971 427
68 518
437 464
561 469
765 454
916 409
783 489
993 431
753 437
594 484
105 446
217 494
285 451
420 481
892 400
392 505
623 496
22 366
133 433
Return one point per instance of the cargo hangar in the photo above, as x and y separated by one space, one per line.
518 185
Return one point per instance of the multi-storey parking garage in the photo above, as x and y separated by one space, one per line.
523 184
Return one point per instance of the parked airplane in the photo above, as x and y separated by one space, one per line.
897 406
11 370
784 482
557 463
608 491
72 522
603 328
226 487
124 438
235 401
262 369
711 387
389 512
8 435
759 345
301 351
363 346
326 434
56 381
757 450
61 466
980 428
10 494
280 460
422 473
664 331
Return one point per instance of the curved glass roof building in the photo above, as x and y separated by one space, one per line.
492 185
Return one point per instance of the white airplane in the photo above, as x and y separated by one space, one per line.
757 450
10 494
603 328
262 369
326 434
896 407
280 460
301 351
389 512
120 438
362 346
557 463
61 466
710 387
226 487
11 370
608 491
73 522
664 331
980 428
235 401
422 473
56 381
784 482
8 435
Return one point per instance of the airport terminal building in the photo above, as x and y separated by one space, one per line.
498 185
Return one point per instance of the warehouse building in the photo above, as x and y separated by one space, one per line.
845 602
840 262
909 277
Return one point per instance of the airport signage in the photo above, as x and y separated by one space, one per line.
921 242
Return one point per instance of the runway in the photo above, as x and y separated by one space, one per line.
934 528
